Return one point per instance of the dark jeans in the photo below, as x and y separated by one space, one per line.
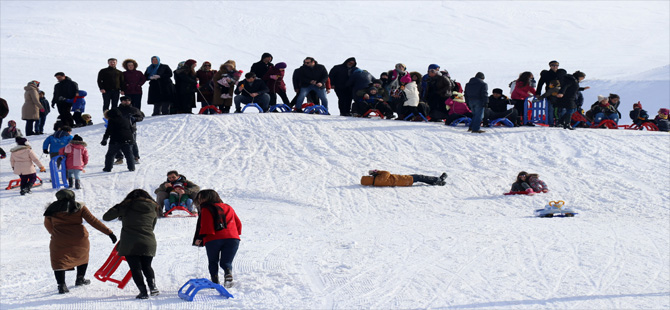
138 265
282 95
64 113
39 127
30 124
518 105
78 120
114 148
136 100
566 116
110 96
136 151
477 114
221 252
60 274
27 180
344 98
425 179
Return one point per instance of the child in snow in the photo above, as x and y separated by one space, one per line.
87 119
457 108
372 100
410 92
603 110
385 178
11 131
39 127
76 160
662 120
521 184
638 115
218 230
178 197
78 107
58 140
536 184
23 162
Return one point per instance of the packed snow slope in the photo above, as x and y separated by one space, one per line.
622 46
313 238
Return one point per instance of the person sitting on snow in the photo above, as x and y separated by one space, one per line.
180 186
521 184
385 178
11 131
536 184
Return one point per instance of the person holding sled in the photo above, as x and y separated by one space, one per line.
137 213
218 230
385 178
69 246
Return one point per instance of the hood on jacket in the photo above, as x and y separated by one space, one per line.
350 59
60 134
267 55
82 93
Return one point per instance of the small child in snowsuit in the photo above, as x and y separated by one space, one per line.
39 127
23 161
536 184
78 107
176 199
521 184
372 100
662 121
58 140
638 115
76 160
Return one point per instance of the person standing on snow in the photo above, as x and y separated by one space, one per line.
339 76
65 89
133 115
262 66
69 246
120 134
477 96
161 88
23 161
112 84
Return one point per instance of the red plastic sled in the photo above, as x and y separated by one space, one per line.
373 112
520 193
17 182
109 267
190 214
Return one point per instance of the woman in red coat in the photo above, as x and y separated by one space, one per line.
218 230
522 90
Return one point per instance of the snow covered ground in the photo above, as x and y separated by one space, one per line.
314 238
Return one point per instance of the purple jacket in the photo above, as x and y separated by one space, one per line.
134 81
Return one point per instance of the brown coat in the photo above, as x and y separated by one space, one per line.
385 178
31 106
217 100
69 244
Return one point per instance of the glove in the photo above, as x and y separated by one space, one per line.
113 237
103 142
45 151
42 169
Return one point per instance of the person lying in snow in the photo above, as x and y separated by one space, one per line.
385 178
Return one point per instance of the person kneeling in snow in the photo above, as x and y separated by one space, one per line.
176 190
385 178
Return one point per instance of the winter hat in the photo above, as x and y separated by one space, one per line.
178 185
12 123
77 138
479 75
664 111
384 74
459 97
601 98
406 79
280 65
637 105
400 67
237 74
21 140
189 63
434 66
33 82
497 91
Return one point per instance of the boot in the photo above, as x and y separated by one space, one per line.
81 281
119 161
62 289
143 293
443 176
77 185
215 278
228 278
225 110
69 183
152 287
23 191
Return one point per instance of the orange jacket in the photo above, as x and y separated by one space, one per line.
385 178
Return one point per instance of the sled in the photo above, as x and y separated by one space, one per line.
316 109
210 109
412 115
109 267
373 112
535 111
465 120
193 286
179 208
650 126
252 105
53 169
608 123
520 193
501 122
282 107
17 182
555 209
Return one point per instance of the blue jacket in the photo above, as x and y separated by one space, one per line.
55 142
80 103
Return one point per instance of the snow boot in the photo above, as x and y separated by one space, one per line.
137 160
81 281
143 293
119 161
23 191
228 278
215 278
62 289
443 176
77 185
152 287
70 183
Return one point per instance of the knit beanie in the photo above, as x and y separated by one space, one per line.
497 91
21 140
479 75
637 105
601 98
77 138
434 66
280 65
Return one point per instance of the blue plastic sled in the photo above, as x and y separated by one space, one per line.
465 120
252 105
317 109
53 169
280 107
195 285
503 121
412 115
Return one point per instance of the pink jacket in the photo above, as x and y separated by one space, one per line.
76 155
521 92
22 160
457 107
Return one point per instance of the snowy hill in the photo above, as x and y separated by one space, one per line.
312 237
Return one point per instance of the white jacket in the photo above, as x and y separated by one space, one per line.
412 93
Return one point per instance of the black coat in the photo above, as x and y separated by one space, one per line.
359 80
257 86
132 114
569 89
306 74
499 105
185 86
161 90
339 74
111 78
260 68
546 76
476 90
66 88
119 129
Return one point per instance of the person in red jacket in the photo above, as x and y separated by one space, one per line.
523 89
218 230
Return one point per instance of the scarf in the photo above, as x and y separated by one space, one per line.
152 69
64 203
219 217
